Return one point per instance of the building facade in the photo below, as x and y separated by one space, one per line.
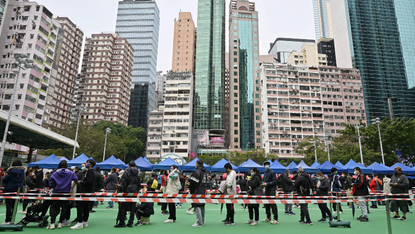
326 46
307 56
323 23
160 88
244 88
154 134
184 43
69 45
139 22
106 75
3 9
301 102
210 67
177 116
374 37
139 104
281 48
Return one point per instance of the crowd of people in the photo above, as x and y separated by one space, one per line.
88 179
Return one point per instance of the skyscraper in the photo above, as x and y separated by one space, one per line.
138 21
184 43
282 47
210 66
322 19
375 37
245 103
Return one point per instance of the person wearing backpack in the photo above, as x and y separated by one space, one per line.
360 190
335 187
375 187
303 185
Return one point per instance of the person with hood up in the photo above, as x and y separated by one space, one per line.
130 183
323 187
173 187
197 186
303 185
61 181
255 189
12 182
399 185
270 183
111 185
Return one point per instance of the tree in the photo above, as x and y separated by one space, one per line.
308 148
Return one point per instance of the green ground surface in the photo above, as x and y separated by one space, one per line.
103 221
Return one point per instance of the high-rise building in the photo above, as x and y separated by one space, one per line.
307 56
177 116
106 75
69 42
139 21
301 102
322 19
28 28
245 105
184 43
3 9
141 95
210 67
154 134
376 37
281 48
326 46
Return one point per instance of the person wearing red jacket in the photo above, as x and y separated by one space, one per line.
375 187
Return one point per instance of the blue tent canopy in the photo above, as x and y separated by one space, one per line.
380 168
119 160
277 167
405 169
218 167
191 166
145 158
307 168
315 165
51 162
76 162
166 164
64 158
292 166
143 164
110 163
246 166
327 166
349 167
339 164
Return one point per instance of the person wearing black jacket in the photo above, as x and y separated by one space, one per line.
110 185
323 186
145 209
270 183
242 184
98 184
255 189
39 176
86 186
286 184
197 186
30 182
303 185
360 189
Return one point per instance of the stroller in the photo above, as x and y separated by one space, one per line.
33 216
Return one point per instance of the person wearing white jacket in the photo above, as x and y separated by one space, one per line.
173 187
230 190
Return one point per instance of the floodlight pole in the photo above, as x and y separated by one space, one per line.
107 130
80 111
360 144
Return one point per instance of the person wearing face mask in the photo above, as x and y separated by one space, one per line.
30 182
255 189
173 187
286 184
304 187
270 184
335 187
399 185
360 189
230 190
86 186
197 183
323 186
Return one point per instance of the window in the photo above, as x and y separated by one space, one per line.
235 140
235 132
235 117
235 124
235 73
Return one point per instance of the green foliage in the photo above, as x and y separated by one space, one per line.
309 147
125 143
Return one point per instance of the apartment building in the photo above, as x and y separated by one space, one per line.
184 43
106 78
154 134
301 102
307 56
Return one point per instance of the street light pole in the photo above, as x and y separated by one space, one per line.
377 122
22 64
107 130
360 144
315 149
80 111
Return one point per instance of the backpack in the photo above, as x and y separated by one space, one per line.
155 184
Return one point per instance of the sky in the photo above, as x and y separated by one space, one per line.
277 18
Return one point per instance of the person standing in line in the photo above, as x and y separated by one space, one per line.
335 187
164 180
197 186
12 182
130 183
110 185
270 183
323 186
360 189
399 185
30 182
38 177
98 184
230 185
303 185
286 185
255 189
173 187
86 186
61 181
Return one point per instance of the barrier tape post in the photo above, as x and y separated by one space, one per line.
388 215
